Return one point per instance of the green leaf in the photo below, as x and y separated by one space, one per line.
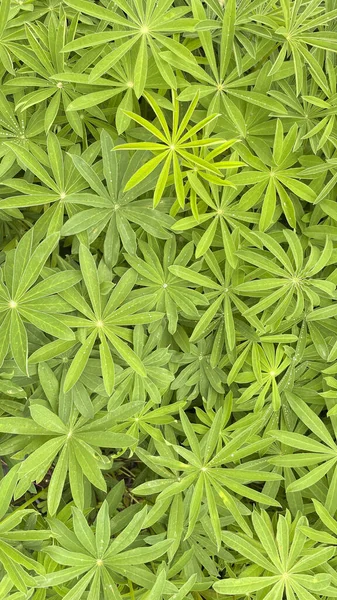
312 477
7 487
244 585
105 64
48 323
129 534
260 100
57 482
145 170
19 342
89 465
79 362
93 99
90 277
102 529
36 263
227 36
207 317
140 556
126 352
311 420
107 365
193 277
141 67
33 165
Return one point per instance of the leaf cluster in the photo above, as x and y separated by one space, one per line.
168 251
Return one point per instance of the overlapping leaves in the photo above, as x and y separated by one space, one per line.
168 299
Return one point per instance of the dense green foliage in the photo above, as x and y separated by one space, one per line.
168 271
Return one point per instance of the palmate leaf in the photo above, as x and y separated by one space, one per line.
155 279
61 187
97 554
275 177
121 210
279 559
172 146
72 441
15 563
326 450
203 470
23 303
106 322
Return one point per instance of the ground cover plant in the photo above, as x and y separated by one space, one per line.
168 271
